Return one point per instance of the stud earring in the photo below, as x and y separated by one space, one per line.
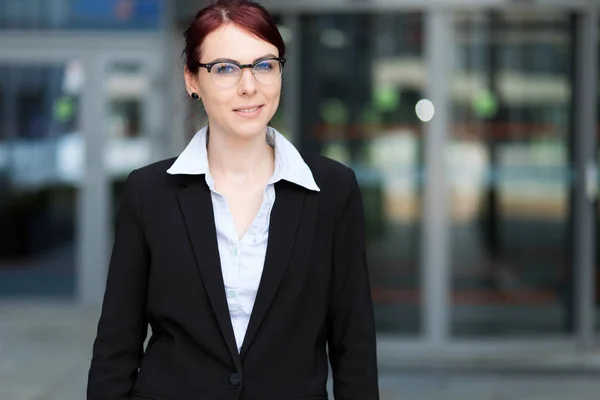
195 96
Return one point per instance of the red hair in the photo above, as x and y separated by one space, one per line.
246 14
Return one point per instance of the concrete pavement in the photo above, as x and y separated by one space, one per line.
45 350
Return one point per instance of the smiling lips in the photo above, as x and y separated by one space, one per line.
250 111
247 109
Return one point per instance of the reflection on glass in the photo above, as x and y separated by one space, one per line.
40 161
511 174
362 77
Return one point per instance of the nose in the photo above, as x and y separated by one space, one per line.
247 83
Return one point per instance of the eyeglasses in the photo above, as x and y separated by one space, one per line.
228 73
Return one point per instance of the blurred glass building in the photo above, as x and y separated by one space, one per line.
472 126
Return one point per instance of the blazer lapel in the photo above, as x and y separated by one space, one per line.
196 206
284 221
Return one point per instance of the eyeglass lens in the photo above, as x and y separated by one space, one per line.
228 74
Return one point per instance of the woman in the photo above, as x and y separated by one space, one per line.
246 259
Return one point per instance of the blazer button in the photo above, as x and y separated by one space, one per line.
234 379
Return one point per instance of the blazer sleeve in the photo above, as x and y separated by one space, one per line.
351 326
122 326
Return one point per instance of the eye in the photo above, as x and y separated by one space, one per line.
265 66
225 69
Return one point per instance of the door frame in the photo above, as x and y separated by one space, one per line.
436 285
96 51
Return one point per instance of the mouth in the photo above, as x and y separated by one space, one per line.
248 110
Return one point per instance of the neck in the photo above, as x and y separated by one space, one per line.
240 161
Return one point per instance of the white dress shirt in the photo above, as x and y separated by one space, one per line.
242 259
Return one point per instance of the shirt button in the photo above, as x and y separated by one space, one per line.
234 252
234 379
232 294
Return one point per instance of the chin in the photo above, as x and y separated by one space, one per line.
249 130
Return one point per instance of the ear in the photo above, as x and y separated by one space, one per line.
191 81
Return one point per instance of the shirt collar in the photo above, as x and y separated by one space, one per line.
289 164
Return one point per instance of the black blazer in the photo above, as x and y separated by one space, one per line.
165 271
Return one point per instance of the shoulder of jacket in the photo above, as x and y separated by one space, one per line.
327 171
154 170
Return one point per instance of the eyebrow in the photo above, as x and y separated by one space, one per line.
237 62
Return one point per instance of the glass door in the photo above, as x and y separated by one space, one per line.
363 76
512 174
67 142
41 159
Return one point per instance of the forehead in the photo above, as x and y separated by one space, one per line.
230 41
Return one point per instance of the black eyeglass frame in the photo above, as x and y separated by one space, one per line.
241 66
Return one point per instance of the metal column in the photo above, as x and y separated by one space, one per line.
585 167
434 249
93 201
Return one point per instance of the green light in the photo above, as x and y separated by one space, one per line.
386 99
485 104
63 109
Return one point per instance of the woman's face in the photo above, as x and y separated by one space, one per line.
244 109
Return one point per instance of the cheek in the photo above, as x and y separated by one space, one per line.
216 103
275 95
275 104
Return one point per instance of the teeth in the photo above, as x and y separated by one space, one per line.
248 110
